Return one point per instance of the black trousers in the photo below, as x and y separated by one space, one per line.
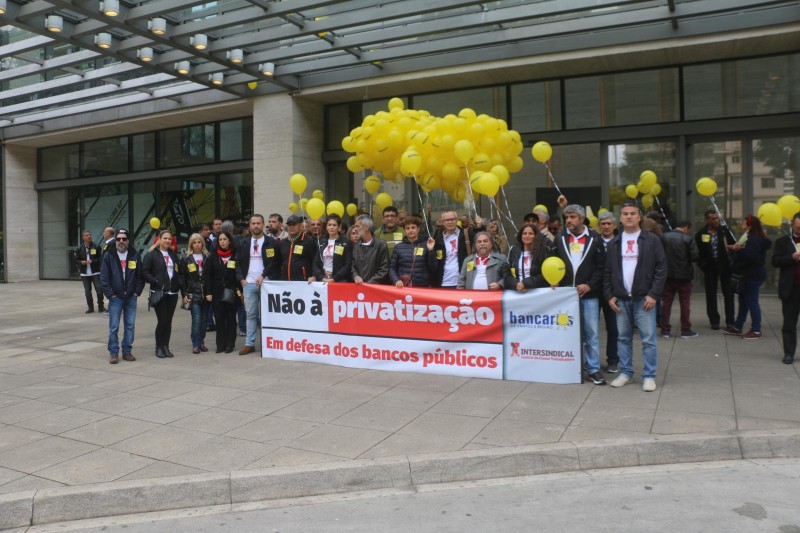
225 318
164 313
88 281
713 278
791 310
610 318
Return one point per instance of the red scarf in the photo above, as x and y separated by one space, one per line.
225 254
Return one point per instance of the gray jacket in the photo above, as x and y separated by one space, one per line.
681 252
371 263
497 270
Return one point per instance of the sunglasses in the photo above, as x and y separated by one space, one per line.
122 239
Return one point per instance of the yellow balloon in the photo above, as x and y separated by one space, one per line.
383 200
647 201
372 184
467 113
155 223
298 183
643 188
464 150
482 162
318 194
315 208
515 165
770 214
396 103
542 151
706 186
489 184
540 207
589 212
354 165
593 222
352 209
459 194
553 270
293 207
648 177
789 205
601 211
410 162
335 207
348 144
502 174
429 182
451 172
303 203
655 190
631 191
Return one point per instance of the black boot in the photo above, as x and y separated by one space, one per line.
90 310
101 308
167 352
160 352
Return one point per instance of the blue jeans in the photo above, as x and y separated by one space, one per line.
590 320
116 308
748 301
632 312
199 312
252 304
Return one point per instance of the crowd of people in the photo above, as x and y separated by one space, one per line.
629 270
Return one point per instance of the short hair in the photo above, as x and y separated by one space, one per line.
684 224
366 221
412 221
530 217
334 216
255 215
795 217
606 214
575 208
162 232
195 237
483 233
630 203
390 209
709 212
278 216
553 219
109 230
85 232
227 225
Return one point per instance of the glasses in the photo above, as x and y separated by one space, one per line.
122 239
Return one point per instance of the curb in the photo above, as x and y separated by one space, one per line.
62 504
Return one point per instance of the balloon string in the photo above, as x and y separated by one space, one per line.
663 213
468 198
503 214
508 209
721 218
422 205
552 179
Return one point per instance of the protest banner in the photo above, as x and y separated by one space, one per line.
533 336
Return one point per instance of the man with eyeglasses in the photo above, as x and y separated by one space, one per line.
258 259
452 247
122 284
713 260
390 232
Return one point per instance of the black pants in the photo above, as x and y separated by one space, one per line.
791 310
225 318
610 318
164 312
88 281
713 278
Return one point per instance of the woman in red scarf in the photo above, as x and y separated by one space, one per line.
220 274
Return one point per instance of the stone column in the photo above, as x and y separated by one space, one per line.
21 212
287 139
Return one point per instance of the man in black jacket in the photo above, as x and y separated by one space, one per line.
786 256
583 254
681 251
713 260
635 271
88 258
298 251
122 284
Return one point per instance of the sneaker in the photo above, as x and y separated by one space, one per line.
732 330
649 385
597 378
688 334
622 380
612 368
750 335
665 333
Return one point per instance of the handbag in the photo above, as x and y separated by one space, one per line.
155 297
737 283
407 278
229 296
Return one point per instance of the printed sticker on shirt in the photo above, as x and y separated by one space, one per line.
92 251
191 267
270 252
398 236
298 249
513 272
338 249
231 264
132 264
706 237
576 247
797 246
419 251
470 266
439 254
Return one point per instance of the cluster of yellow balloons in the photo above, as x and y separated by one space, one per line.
448 153
772 214
315 206
648 186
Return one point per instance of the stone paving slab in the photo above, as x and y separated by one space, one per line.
66 414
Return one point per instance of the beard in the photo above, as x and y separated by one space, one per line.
122 247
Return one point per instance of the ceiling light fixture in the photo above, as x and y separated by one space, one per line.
267 69
235 56
109 8
145 54
54 23
157 25
103 39
217 78
183 67
199 41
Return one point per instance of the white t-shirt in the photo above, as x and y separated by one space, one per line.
451 266
524 267
89 271
480 282
327 256
256 267
198 258
577 245
629 248
123 261
170 264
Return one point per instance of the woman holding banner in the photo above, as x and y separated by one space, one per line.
525 260
335 257
413 262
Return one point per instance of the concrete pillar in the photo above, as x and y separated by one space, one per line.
21 212
287 139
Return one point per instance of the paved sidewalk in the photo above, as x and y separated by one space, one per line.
67 417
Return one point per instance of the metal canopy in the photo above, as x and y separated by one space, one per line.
44 74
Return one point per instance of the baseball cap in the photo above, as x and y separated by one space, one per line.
294 219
